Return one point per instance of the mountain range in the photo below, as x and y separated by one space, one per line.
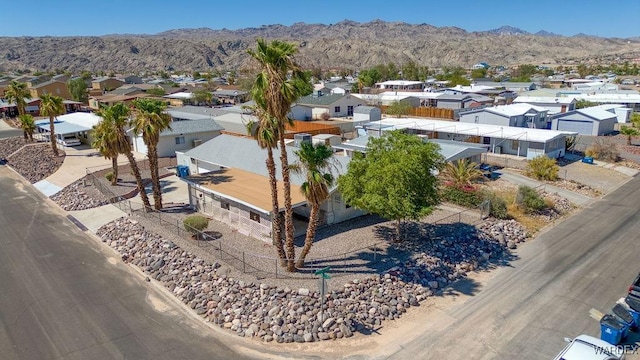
347 45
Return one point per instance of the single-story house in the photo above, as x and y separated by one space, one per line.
75 125
450 150
518 115
588 121
367 113
555 104
524 142
401 85
233 186
336 105
462 101
183 135
623 113
230 96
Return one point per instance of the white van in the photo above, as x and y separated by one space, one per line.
68 140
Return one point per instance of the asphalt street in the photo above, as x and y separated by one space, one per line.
527 308
63 295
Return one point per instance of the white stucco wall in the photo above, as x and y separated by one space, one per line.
167 145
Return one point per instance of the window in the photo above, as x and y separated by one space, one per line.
477 119
254 216
515 144
336 109
193 161
179 140
224 205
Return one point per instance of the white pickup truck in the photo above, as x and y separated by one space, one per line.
68 140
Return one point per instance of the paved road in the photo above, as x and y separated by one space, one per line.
64 296
7 131
525 310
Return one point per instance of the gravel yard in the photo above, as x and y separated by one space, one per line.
80 195
34 161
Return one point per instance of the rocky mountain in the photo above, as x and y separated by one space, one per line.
346 44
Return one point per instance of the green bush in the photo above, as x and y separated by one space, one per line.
529 200
464 196
543 168
109 176
195 223
498 206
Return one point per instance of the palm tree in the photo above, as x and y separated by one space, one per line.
629 131
461 172
28 126
274 90
315 163
105 139
265 131
52 106
16 93
118 115
150 120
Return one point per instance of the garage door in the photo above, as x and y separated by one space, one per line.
140 145
581 127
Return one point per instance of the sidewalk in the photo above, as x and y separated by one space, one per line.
514 177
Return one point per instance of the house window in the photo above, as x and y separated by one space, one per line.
179 140
336 109
254 216
477 119
193 161
224 205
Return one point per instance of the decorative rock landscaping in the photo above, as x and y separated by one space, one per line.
80 195
272 313
10 145
35 161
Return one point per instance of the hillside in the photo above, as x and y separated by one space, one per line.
346 44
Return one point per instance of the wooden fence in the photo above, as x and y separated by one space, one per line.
429 112
313 128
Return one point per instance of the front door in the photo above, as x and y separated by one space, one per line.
349 110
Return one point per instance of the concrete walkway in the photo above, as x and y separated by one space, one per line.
94 218
514 177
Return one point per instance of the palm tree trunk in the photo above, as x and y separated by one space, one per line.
288 209
26 136
52 136
155 177
276 232
629 140
311 234
398 230
136 173
114 167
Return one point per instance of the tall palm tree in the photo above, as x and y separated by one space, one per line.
118 115
52 106
28 126
265 131
462 172
280 82
150 120
315 163
17 92
105 140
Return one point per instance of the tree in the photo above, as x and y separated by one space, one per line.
156 91
479 73
202 96
78 90
581 104
395 179
399 109
543 168
461 173
86 75
629 131
28 126
149 121
118 115
280 82
105 140
16 93
314 162
52 106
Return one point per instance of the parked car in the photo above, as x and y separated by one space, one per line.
634 289
68 140
585 347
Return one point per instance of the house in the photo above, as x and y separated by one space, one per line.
555 104
401 85
78 125
367 113
509 85
51 87
462 101
233 186
450 150
588 121
518 115
480 65
183 135
131 79
338 87
522 142
336 105
623 114
105 84
96 102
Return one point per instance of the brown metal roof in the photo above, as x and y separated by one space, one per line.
247 187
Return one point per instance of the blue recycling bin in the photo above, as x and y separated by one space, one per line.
182 171
611 330
624 317
587 160
634 309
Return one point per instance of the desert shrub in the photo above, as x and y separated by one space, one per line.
543 168
603 149
109 176
529 200
195 223
497 207
325 116
467 196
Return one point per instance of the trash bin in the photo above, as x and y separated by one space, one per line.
623 316
587 160
182 171
611 329
634 309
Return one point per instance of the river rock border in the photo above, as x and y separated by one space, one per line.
272 313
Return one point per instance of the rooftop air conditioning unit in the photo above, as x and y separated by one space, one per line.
300 138
197 142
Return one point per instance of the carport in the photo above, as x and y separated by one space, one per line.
78 124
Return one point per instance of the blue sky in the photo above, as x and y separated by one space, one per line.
606 18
